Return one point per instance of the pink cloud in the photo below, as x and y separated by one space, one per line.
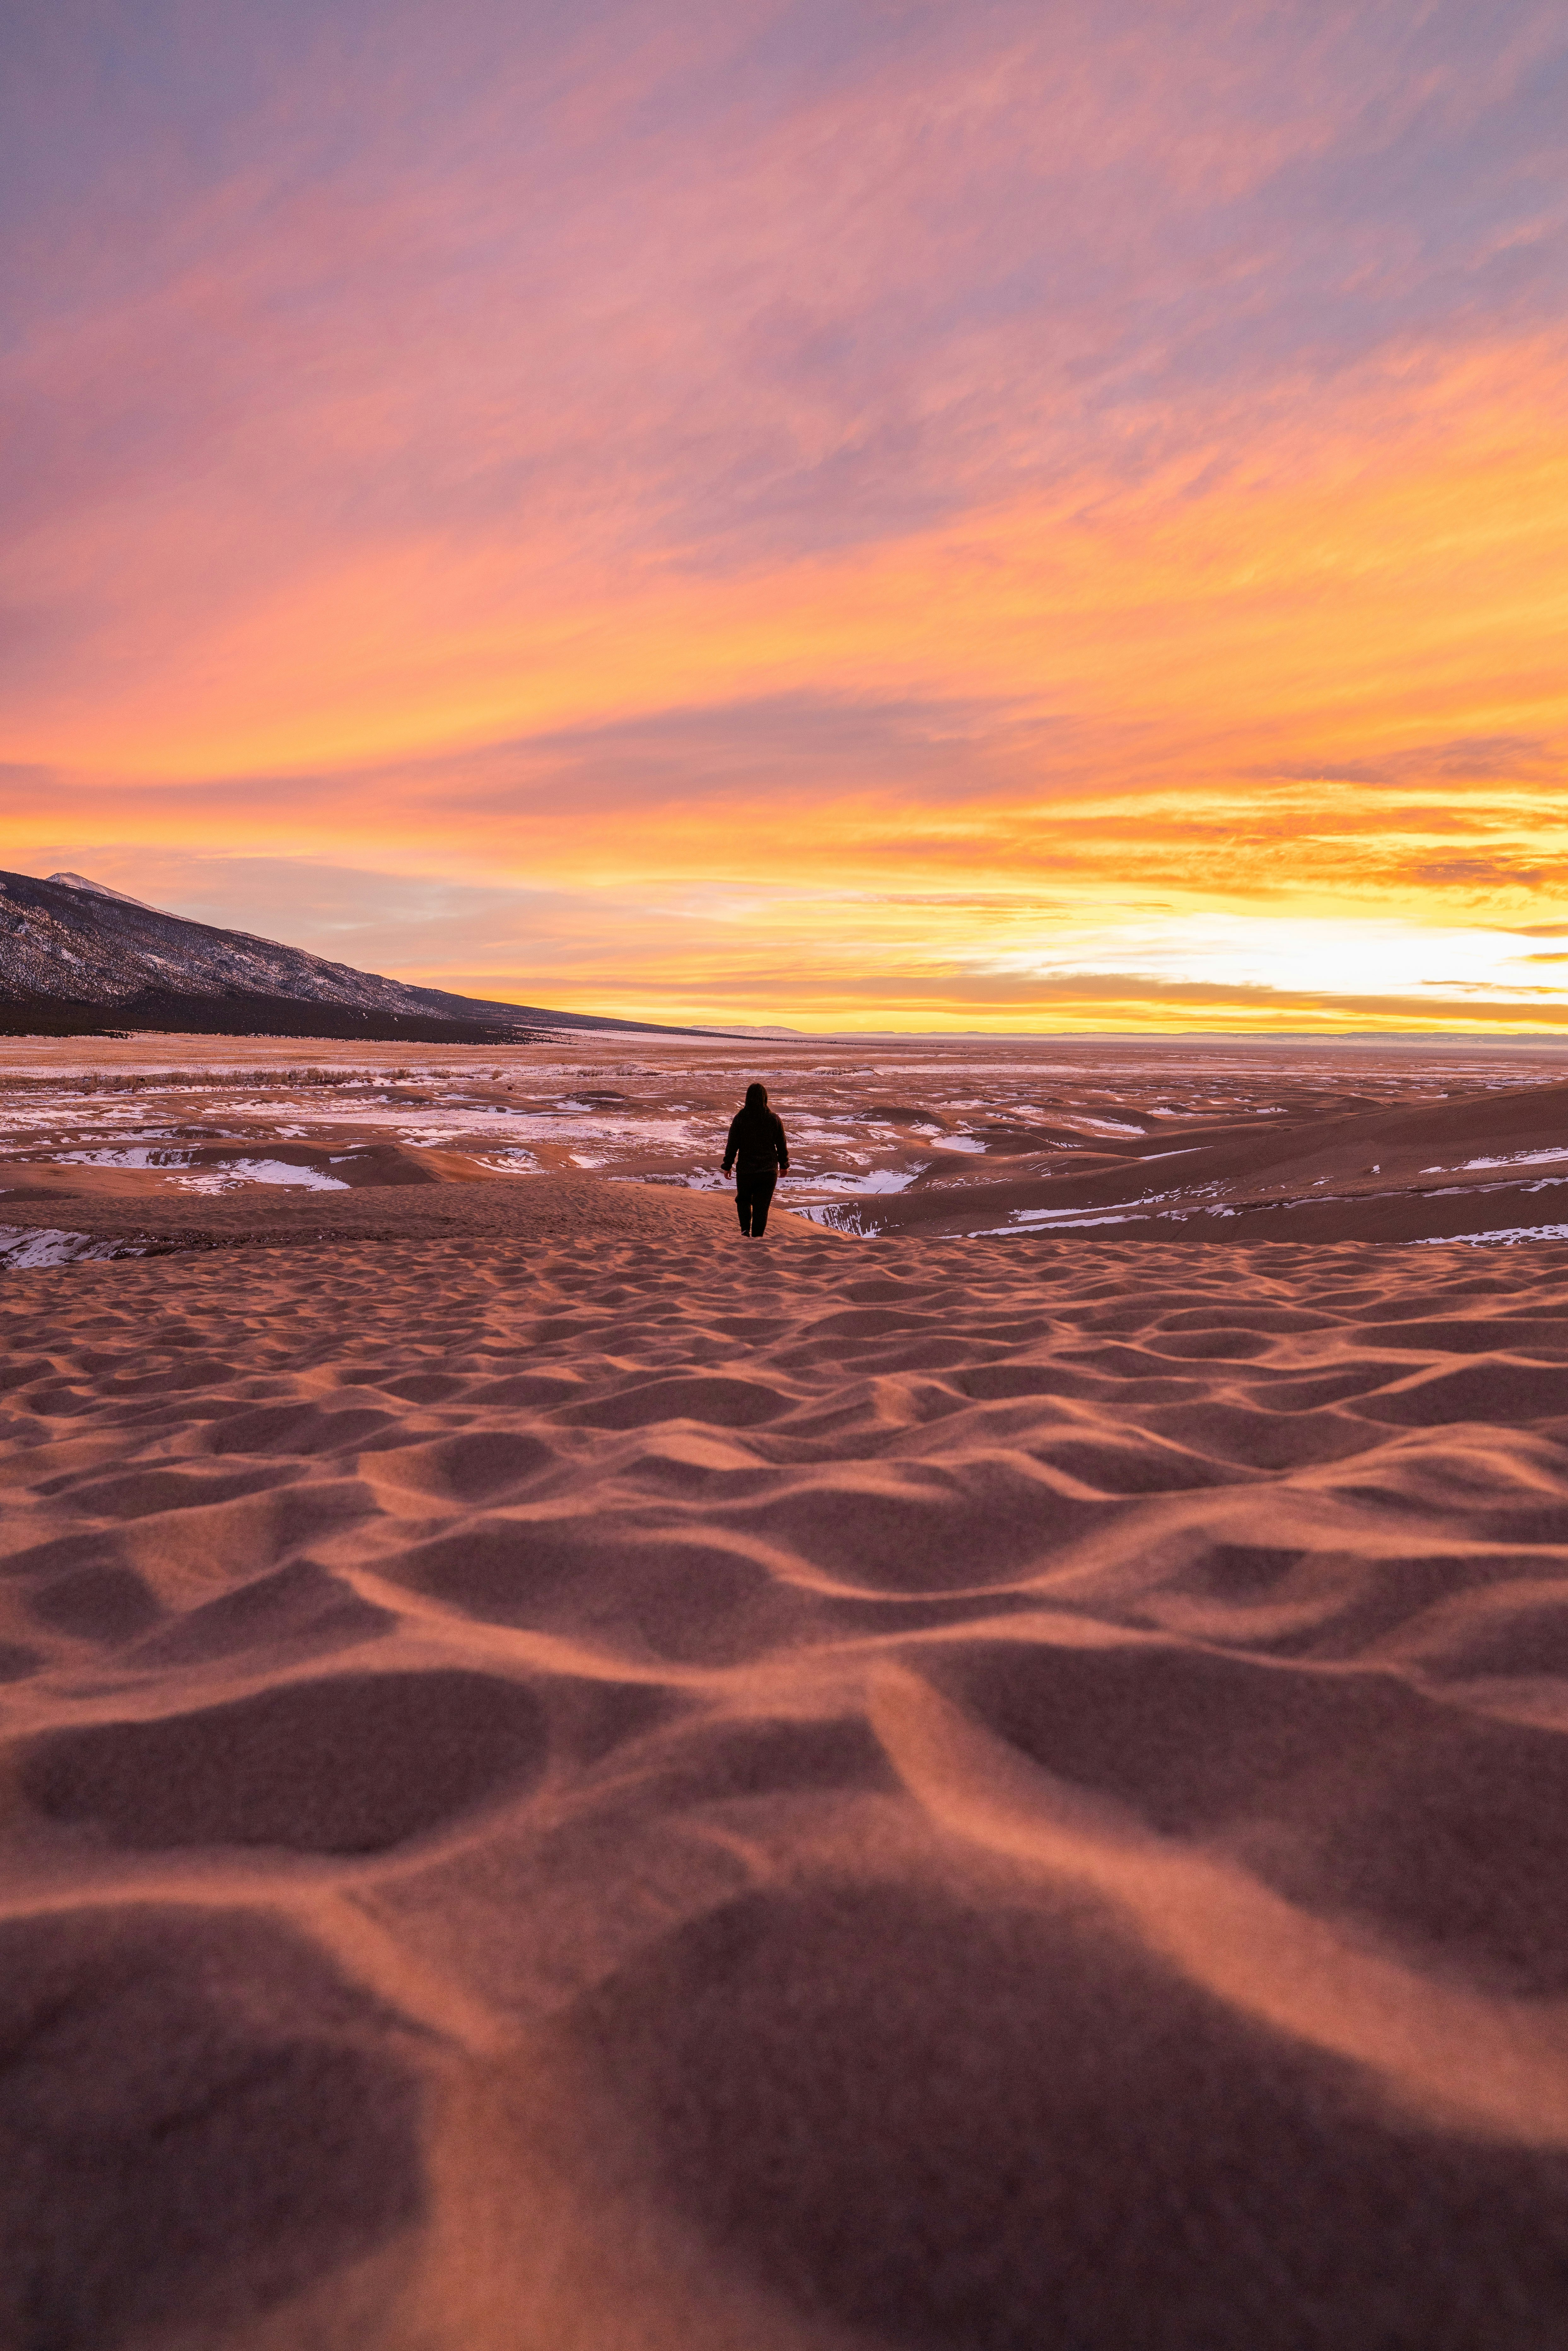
377 369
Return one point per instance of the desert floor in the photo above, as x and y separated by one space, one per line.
574 1783
1213 1139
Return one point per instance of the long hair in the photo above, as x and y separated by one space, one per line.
756 1097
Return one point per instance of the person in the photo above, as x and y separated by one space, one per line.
760 1155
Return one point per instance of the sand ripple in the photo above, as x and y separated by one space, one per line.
615 1793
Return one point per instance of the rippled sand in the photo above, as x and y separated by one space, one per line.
575 1783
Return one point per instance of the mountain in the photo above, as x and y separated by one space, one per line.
76 959
101 890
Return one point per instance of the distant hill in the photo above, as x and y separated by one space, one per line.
77 959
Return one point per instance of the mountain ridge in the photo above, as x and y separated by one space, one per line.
76 959
102 890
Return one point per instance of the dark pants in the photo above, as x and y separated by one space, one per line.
752 1194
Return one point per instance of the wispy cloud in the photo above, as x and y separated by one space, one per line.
854 447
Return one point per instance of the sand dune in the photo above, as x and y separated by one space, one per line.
1198 1140
575 1782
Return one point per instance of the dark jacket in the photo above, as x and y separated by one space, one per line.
757 1140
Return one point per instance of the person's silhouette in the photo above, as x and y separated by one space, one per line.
757 1142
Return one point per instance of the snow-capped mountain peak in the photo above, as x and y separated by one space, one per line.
102 890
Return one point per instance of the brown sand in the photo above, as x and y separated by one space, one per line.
1218 1140
573 1783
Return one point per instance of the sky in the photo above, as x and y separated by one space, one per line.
856 514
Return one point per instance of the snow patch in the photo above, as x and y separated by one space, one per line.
263 1171
1505 1234
23 1247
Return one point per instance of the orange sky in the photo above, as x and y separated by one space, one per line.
878 518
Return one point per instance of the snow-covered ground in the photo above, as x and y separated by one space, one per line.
980 1135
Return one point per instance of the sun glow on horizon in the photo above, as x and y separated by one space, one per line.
1004 522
